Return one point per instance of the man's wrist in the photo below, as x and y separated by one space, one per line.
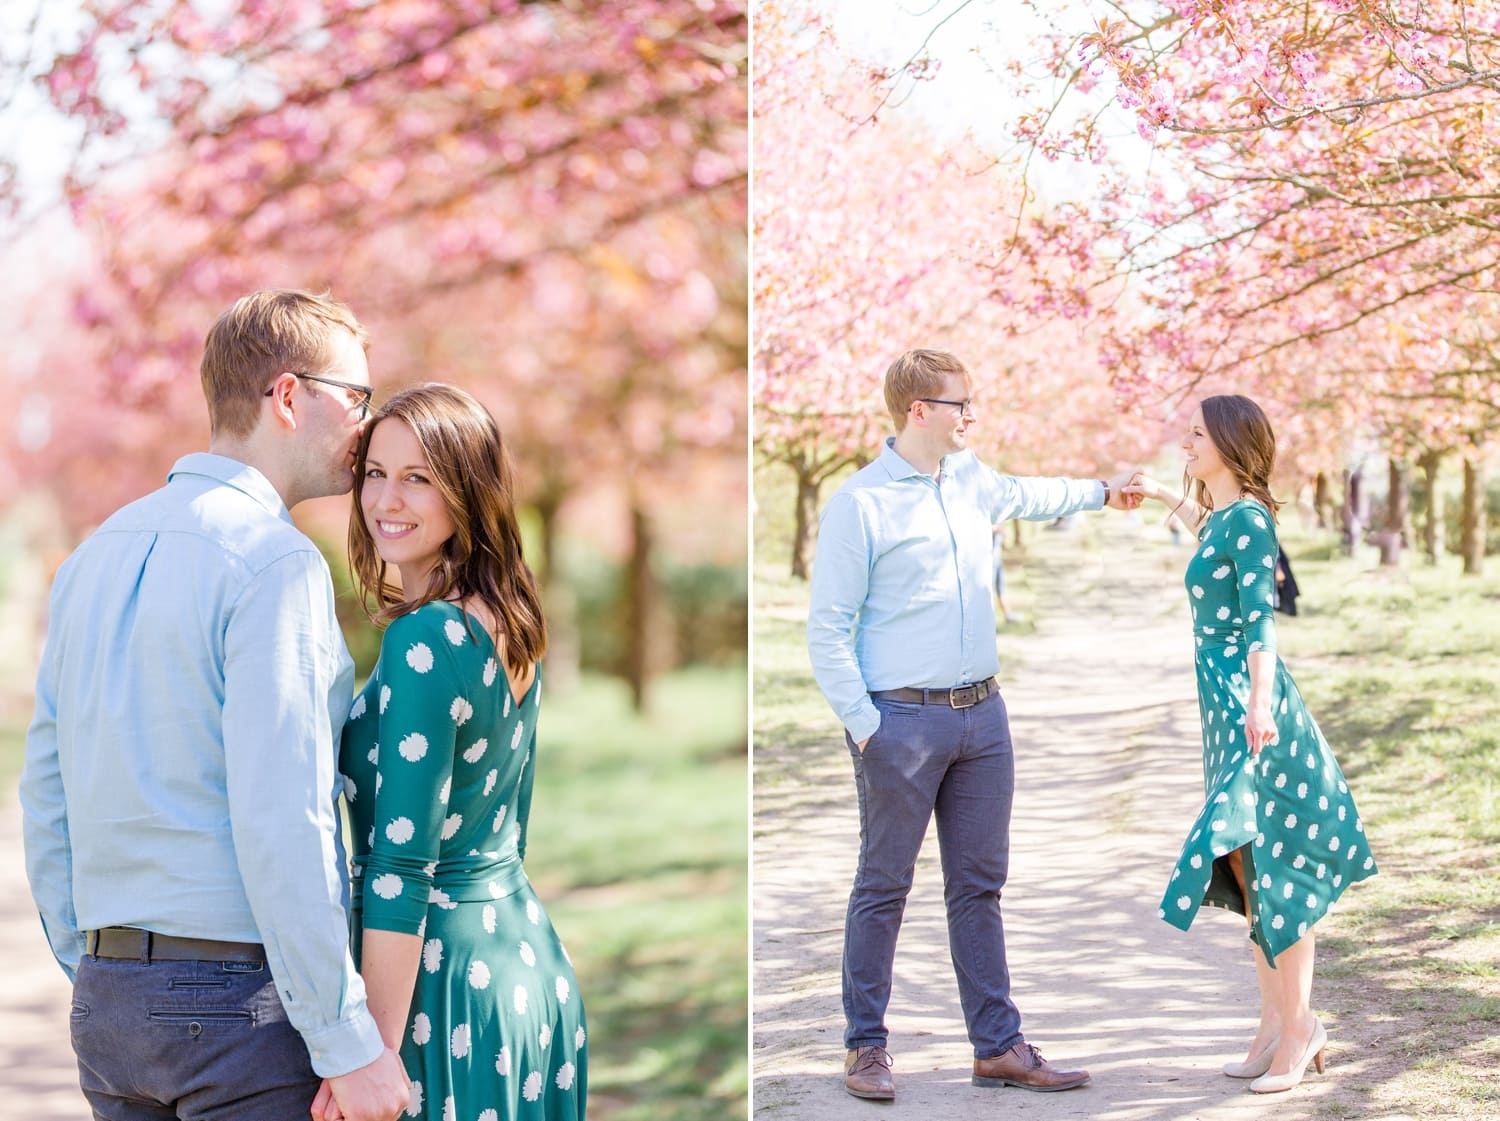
1105 484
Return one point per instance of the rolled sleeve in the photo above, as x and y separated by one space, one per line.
840 581
282 653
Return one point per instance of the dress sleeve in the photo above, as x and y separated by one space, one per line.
421 705
1252 548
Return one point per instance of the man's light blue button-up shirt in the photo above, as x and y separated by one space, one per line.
181 768
901 577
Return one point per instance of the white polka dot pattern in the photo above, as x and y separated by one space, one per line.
533 1088
419 657
1301 856
442 862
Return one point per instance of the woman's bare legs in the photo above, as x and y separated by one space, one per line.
1270 992
1285 992
1294 977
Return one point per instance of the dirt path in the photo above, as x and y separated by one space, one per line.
1105 723
38 1077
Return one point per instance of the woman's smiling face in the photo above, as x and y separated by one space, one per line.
403 507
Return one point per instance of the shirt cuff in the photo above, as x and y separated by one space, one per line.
863 724
1100 496
345 1046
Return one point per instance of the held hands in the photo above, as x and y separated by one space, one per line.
324 1108
377 1092
1121 497
1142 486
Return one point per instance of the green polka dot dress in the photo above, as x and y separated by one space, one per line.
438 760
1288 807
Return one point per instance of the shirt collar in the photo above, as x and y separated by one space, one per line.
900 468
894 463
232 472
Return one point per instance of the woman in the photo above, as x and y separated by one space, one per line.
1278 838
465 975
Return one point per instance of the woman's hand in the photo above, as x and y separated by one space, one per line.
324 1108
1144 486
1260 728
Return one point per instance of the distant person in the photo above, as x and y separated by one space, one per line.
466 976
998 531
901 634
178 793
1176 528
1278 838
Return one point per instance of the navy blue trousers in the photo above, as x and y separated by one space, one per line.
956 763
189 1040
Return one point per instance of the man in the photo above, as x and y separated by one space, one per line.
178 794
901 633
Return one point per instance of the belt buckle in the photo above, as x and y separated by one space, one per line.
969 692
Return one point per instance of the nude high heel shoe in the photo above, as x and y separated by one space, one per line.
1256 1065
1276 1083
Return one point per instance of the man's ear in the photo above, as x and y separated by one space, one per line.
283 401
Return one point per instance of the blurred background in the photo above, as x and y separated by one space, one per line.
544 202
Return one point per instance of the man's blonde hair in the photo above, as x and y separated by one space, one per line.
273 331
915 375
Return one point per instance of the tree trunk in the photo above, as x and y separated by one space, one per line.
559 597
640 614
1322 500
1397 511
1432 527
808 486
1473 535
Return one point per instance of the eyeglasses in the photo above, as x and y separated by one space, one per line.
363 393
964 407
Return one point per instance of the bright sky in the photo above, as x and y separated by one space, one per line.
962 34
31 134
973 40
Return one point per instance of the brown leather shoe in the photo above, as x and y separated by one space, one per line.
867 1074
1024 1066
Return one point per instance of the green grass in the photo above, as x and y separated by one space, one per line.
637 847
794 746
1400 667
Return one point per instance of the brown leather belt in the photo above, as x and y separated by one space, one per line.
960 696
144 945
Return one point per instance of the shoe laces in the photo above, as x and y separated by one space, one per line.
872 1056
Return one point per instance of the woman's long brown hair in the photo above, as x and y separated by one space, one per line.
1243 438
482 560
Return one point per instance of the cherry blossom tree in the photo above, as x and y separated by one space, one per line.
1315 220
542 200
872 237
